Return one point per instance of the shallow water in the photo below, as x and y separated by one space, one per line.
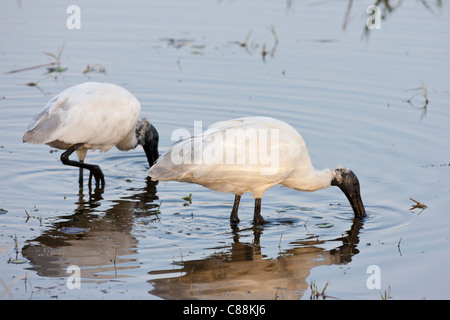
347 93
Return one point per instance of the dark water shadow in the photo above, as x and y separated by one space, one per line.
92 239
241 272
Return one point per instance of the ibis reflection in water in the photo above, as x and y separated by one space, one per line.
93 116
232 157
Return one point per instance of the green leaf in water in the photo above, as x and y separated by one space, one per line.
188 198
16 261
56 69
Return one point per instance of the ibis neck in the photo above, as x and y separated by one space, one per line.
310 179
151 151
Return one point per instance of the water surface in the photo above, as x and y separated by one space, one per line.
357 98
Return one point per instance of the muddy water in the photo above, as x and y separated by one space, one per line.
359 100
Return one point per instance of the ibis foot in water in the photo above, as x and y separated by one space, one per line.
98 175
93 168
257 218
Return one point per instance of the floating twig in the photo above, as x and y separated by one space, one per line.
97 68
28 216
32 67
418 205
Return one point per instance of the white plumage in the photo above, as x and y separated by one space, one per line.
251 155
91 116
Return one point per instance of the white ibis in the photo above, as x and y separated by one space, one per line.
251 155
91 116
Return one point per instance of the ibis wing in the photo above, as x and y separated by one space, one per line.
100 115
46 123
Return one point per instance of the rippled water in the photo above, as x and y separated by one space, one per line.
357 98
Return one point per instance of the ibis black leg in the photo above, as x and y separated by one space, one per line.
234 213
257 218
94 169
80 175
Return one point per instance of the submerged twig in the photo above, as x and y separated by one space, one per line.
177 42
387 293
97 68
56 57
245 43
347 14
304 225
157 211
279 243
423 103
315 294
10 286
52 67
274 47
251 47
